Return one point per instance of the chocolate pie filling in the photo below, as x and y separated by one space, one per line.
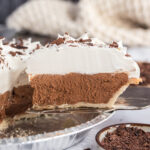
62 89
74 87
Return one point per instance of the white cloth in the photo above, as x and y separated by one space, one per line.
105 19
120 116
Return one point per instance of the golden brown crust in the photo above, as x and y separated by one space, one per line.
135 80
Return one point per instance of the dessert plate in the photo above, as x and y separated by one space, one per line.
61 129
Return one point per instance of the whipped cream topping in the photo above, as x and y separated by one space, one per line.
84 55
20 50
65 55
13 58
84 41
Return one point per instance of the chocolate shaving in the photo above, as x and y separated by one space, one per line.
58 41
18 46
127 55
127 138
84 41
15 53
12 53
37 47
90 44
113 45
19 53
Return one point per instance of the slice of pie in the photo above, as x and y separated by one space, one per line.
68 72
82 72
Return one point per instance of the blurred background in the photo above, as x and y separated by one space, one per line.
11 7
107 20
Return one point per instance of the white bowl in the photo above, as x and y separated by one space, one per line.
102 133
